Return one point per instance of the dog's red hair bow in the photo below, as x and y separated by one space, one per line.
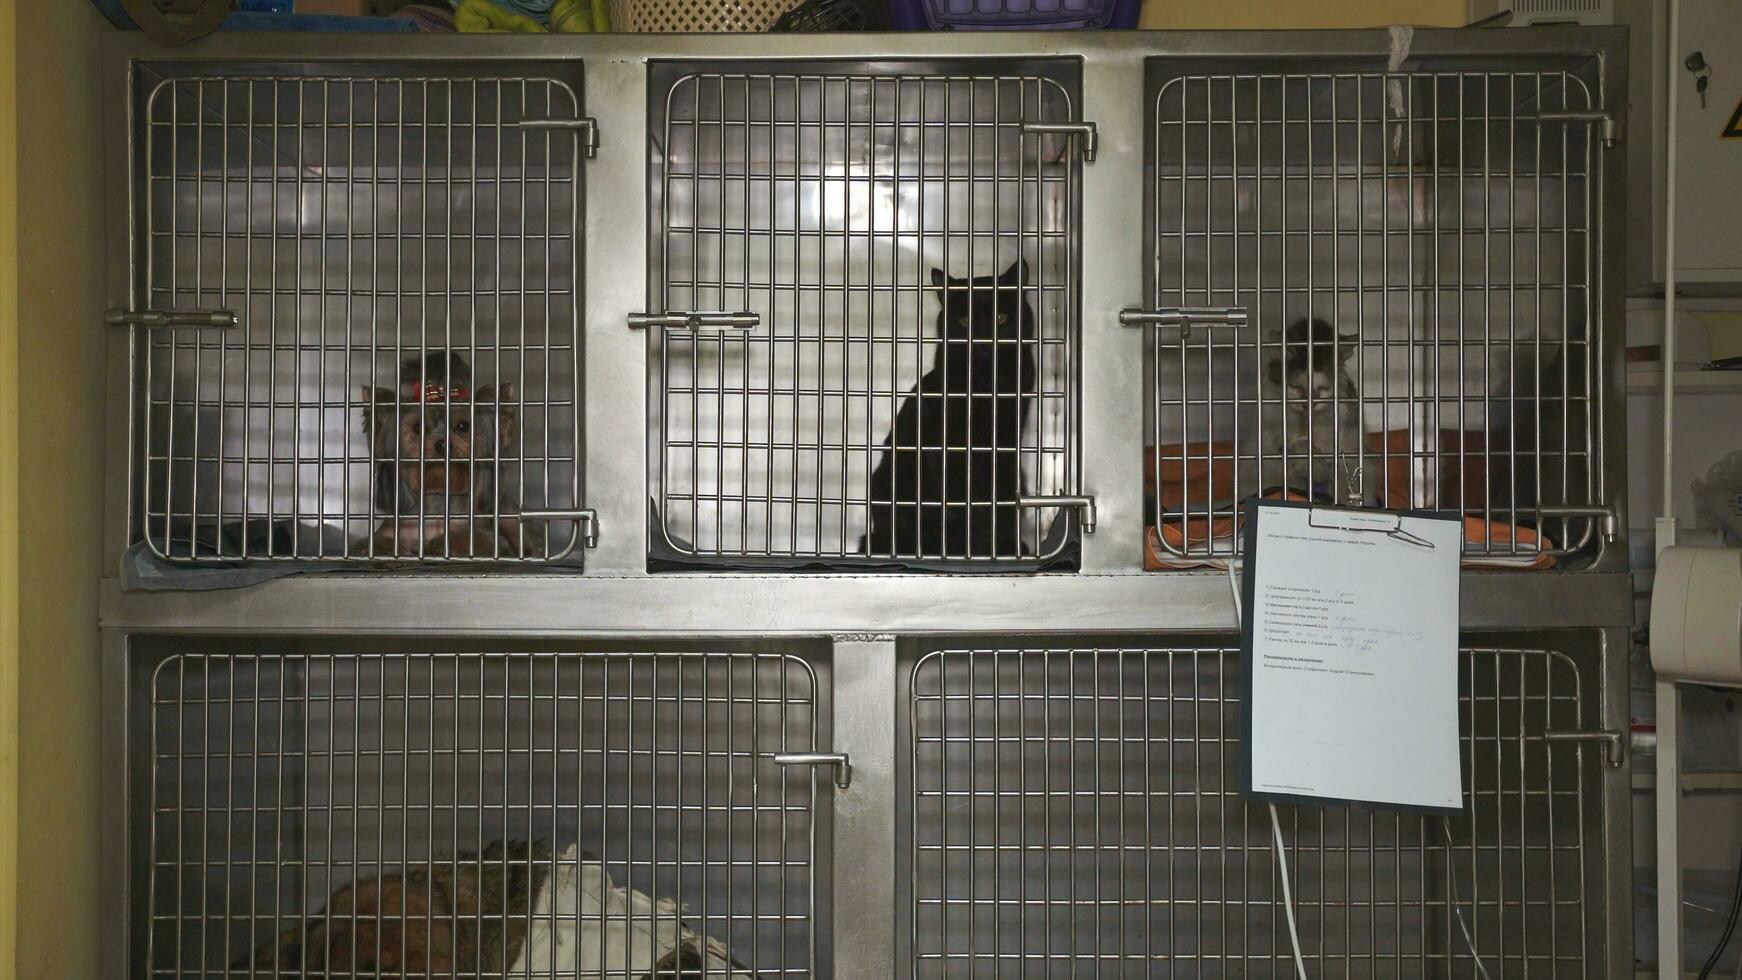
435 392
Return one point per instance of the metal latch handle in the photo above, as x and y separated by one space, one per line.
695 320
589 521
1184 318
1091 140
843 767
587 127
1604 120
1082 504
156 319
1612 739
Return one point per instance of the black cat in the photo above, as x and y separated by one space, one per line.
951 470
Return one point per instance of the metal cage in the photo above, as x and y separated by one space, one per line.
283 790
1443 227
1076 811
355 317
810 403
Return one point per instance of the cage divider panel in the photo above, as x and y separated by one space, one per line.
355 224
278 783
1446 235
820 197
1076 810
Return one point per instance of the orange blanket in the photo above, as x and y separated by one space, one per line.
1203 473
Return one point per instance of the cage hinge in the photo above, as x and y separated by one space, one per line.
1608 130
1085 507
1617 747
1088 140
1183 319
838 760
589 521
710 321
586 128
157 319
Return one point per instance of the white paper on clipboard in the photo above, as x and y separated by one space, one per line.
1351 650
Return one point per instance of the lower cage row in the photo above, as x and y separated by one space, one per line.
1060 812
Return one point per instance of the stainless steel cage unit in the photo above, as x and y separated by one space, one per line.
1443 224
807 407
355 315
279 787
186 673
1076 811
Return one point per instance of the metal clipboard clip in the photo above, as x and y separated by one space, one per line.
1377 521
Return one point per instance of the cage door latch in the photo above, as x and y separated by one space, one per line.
589 521
1617 750
843 767
1085 507
587 129
159 319
1087 139
1183 319
710 321
1603 119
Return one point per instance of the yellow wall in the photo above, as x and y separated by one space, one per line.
60 423
1242 14
8 493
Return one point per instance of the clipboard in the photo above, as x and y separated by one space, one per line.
1353 670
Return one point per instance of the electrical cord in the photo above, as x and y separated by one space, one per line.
1729 928
1275 821
1287 896
1458 903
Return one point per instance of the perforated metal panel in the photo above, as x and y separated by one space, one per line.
696 16
280 784
398 256
845 425
1444 228
1076 813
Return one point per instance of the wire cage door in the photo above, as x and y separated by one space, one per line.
1377 289
1076 812
355 324
867 316
469 815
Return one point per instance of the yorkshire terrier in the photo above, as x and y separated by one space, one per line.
461 918
438 445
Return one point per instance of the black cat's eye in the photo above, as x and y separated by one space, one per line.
1003 317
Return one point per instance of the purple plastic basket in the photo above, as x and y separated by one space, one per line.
1017 15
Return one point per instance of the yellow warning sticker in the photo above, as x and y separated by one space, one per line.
1733 128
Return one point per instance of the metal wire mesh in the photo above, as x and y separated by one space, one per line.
696 16
858 420
1443 227
400 256
1076 813
279 782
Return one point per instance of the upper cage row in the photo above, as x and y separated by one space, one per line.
356 322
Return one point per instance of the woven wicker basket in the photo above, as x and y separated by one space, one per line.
696 16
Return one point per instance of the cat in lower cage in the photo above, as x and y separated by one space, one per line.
1321 413
951 471
438 445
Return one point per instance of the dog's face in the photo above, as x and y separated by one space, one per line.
376 926
423 437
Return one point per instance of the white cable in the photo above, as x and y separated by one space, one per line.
1457 903
1666 524
1287 896
1275 821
